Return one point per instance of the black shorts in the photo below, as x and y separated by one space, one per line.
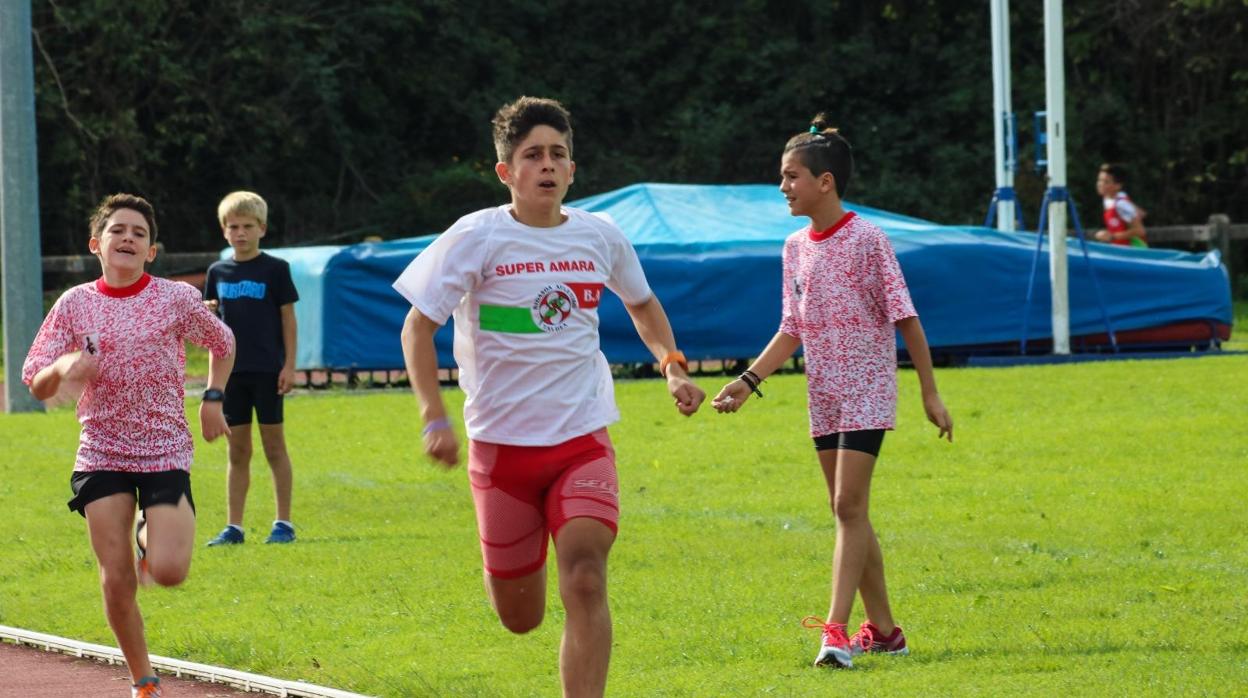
246 391
867 441
166 487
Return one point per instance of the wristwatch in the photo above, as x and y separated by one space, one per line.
214 395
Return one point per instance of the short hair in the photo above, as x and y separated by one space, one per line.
513 122
243 203
824 149
1118 172
112 203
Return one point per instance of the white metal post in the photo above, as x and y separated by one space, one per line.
1055 97
1002 110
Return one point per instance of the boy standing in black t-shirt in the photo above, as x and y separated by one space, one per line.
256 297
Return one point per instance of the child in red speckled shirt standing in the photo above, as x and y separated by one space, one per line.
119 343
843 296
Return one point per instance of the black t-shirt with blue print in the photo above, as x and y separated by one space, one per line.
250 296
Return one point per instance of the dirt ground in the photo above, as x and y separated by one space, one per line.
28 671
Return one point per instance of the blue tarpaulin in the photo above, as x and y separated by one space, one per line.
712 255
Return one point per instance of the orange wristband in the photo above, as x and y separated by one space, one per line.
674 357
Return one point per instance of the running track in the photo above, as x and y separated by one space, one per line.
28 672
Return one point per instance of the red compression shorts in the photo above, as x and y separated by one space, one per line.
525 494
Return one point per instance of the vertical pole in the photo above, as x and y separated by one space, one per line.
20 263
1221 224
1055 98
1002 111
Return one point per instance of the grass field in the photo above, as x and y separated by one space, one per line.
1084 535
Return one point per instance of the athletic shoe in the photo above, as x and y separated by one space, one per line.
869 640
228 536
281 533
140 552
147 687
834 651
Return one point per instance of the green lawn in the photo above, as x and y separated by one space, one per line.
1084 534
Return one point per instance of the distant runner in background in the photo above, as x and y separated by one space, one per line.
1124 221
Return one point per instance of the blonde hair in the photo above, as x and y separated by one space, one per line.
243 203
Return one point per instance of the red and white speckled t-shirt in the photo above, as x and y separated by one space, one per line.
133 417
843 291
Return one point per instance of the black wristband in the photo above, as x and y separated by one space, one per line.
214 395
751 379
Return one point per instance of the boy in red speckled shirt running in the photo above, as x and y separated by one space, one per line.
118 342
844 295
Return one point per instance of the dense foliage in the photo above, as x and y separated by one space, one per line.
373 118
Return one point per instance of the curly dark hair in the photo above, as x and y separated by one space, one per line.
514 121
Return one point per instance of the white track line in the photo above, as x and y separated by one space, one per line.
176 667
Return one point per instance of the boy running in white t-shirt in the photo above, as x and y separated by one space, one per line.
119 341
523 282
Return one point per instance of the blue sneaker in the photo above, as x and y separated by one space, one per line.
228 536
281 533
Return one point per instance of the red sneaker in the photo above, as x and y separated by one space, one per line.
834 651
147 687
869 640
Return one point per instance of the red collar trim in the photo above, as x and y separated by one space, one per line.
825 234
133 289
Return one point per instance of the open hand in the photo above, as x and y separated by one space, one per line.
938 415
285 381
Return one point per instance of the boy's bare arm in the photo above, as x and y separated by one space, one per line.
733 395
920 355
74 367
656 332
421 359
290 338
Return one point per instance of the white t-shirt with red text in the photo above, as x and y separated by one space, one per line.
525 303
843 292
133 414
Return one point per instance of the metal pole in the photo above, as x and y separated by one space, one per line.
1055 97
1002 111
20 269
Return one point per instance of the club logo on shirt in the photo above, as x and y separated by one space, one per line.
553 307
90 342
227 290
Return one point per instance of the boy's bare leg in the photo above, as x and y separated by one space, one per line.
238 478
521 602
273 439
848 474
581 549
872 589
110 524
169 538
